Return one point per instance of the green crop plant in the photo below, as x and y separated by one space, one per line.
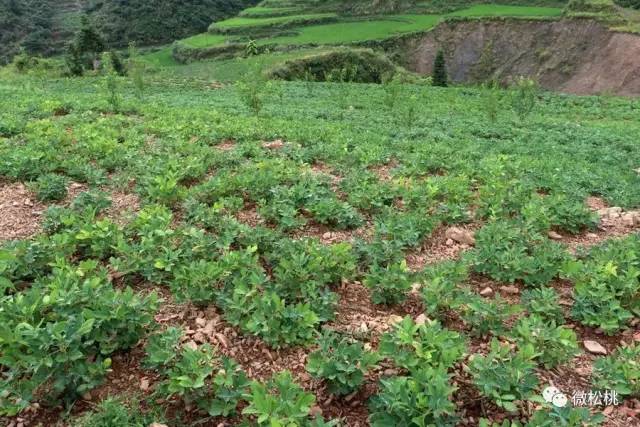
504 377
606 285
51 187
619 372
390 284
340 362
422 399
414 347
510 251
553 344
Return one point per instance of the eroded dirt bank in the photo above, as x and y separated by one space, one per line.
575 56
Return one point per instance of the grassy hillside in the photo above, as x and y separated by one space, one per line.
148 235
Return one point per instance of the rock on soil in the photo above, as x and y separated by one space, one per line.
460 235
594 347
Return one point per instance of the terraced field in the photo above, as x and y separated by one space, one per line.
302 30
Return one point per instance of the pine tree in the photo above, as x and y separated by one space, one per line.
85 49
439 70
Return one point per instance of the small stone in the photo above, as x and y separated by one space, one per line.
608 411
628 220
421 319
158 425
191 345
460 235
415 289
393 319
486 292
222 340
28 203
363 328
592 236
315 411
555 236
201 321
208 328
449 242
594 347
199 337
144 384
326 235
510 290
76 185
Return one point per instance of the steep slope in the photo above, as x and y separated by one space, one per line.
576 56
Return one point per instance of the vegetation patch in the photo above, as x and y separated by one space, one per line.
353 65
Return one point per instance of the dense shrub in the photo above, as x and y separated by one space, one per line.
362 66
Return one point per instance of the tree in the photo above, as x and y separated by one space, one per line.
85 49
439 70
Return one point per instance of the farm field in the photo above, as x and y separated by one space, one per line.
350 31
316 254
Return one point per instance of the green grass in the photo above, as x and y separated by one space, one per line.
242 22
160 58
347 32
204 40
485 10
227 70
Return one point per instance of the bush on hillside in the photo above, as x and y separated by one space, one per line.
355 65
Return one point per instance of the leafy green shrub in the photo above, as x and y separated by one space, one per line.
422 399
567 416
280 324
164 189
607 285
162 348
198 281
508 251
620 371
229 387
503 376
341 362
253 89
51 187
543 302
553 344
279 402
370 67
413 346
486 316
335 213
440 288
390 284
60 332
188 373
559 211
95 201
523 99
